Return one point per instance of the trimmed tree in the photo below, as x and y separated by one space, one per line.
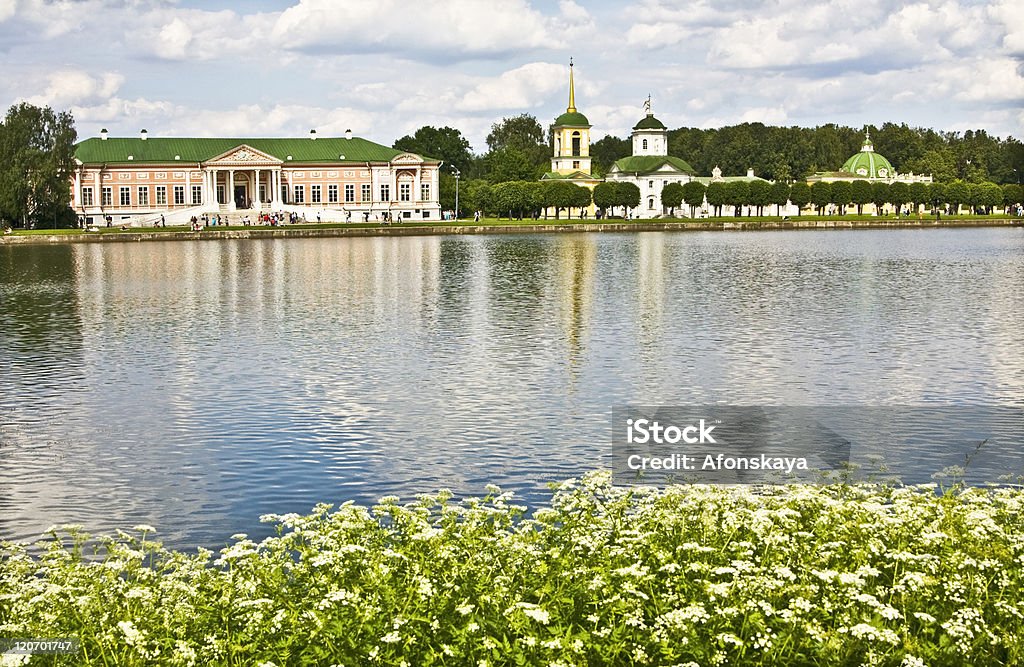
581 197
919 195
842 195
737 194
821 195
693 195
800 195
780 196
557 195
860 194
604 196
627 195
672 196
899 195
879 195
717 196
957 194
760 195
1012 194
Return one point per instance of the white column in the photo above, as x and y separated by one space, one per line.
188 187
230 194
416 185
76 195
256 190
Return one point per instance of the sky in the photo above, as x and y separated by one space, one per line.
384 68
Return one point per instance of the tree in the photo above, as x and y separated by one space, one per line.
477 195
880 195
508 164
988 196
779 195
937 194
918 195
605 195
957 194
672 196
842 195
800 195
760 195
717 196
737 193
514 197
557 194
607 150
524 134
860 194
899 195
821 195
36 163
627 195
1012 194
581 197
444 143
693 195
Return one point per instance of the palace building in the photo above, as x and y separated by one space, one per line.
137 180
867 165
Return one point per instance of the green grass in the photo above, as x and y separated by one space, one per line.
505 222
690 575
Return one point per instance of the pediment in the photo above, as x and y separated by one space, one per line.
407 158
244 155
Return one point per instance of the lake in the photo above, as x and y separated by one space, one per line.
194 386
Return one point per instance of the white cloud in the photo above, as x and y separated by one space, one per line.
448 30
71 87
524 87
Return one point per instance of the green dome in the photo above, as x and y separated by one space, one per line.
649 122
869 164
572 118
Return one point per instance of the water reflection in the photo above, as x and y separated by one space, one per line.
195 386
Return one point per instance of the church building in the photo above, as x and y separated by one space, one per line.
570 135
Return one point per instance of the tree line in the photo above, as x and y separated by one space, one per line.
519 149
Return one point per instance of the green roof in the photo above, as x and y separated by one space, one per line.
574 176
646 164
574 118
869 164
324 149
649 122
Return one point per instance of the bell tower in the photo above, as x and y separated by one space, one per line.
570 134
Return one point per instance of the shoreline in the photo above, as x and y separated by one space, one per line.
510 228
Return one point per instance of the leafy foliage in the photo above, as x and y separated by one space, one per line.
607 575
36 164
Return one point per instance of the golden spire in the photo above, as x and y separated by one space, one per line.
572 92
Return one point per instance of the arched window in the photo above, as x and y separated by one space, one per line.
650 203
575 143
645 144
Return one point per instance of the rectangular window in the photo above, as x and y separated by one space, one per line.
314 194
179 195
143 195
197 195
575 164
284 192
86 196
220 195
161 195
332 194
405 191
263 193
424 191
300 194
126 196
364 193
350 192
107 196
385 193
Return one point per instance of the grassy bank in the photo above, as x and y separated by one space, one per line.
825 575
505 222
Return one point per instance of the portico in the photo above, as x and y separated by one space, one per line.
243 178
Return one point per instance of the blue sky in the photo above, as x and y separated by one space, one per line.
384 68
